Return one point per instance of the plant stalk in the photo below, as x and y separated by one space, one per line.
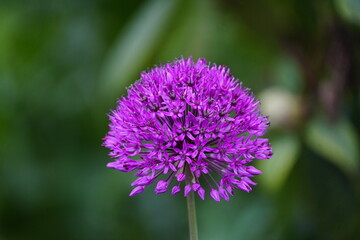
192 216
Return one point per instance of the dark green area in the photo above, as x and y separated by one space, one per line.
64 63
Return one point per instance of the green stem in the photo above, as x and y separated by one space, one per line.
192 216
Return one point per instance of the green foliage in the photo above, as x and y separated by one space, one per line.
336 142
276 172
136 45
64 63
349 10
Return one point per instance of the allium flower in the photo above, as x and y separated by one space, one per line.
189 126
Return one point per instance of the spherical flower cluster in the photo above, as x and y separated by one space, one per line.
189 126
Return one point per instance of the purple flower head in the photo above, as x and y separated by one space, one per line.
190 125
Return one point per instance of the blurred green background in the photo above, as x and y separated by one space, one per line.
64 63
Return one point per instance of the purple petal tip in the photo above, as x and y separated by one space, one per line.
137 190
161 186
215 195
175 190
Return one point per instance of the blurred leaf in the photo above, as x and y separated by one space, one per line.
349 10
247 217
8 22
277 169
195 33
336 142
287 73
136 45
